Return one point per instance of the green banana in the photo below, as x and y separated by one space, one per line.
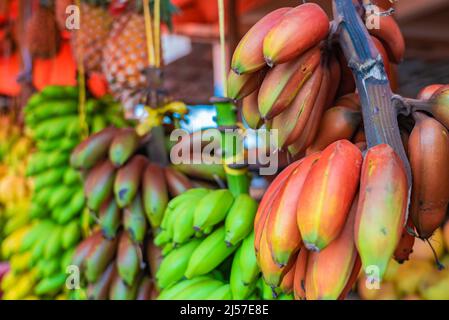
174 290
127 180
99 256
222 293
155 194
57 159
66 259
109 218
249 268
190 194
128 259
183 227
134 220
209 254
212 209
199 291
60 197
92 150
71 177
74 207
53 243
123 146
39 230
99 184
49 178
50 286
71 234
240 219
174 265
240 290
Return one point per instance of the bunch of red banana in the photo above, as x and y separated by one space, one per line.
325 232
127 194
287 77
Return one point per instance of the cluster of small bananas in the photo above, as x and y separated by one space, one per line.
208 252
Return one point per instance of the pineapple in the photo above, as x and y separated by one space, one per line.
90 39
125 55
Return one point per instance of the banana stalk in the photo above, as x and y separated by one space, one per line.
379 114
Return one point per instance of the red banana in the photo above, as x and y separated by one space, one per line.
282 231
323 204
177 182
250 111
127 180
382 207
299 281
427 92
428 148
283 82
134 220
300 29
248 55
123 146
99 184
154 191
129 259
405 246
240 86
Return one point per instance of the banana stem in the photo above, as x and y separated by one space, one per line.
379 114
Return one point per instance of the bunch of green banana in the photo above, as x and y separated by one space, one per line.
128 195
45 250
208 252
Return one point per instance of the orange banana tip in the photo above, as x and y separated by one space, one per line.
337 123
381 209
352 279
300 29
329 270
282 230
287 281
272 273
299 280
428 149
283 82
391 36
290 123
240 86
248 55
311 128
405 245
250 111
267 201
324 203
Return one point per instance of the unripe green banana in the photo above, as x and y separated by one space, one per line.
199 291
212 209
71 234
209 254
50 286
240 290
183 227
248 262
54 243
174 265
222 293
176 289
240 219
186 196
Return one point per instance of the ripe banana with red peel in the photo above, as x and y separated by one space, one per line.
285 42
291 123
381 208
352 279
240 86
127 180
283 82
125 143
350 100
405 246
95 148
325 94
99 184
428 149
347 82
250 111
299 280
248 55
323 205
338 123
177 182
286 284
282 231
391 36
267 201
440 105
329 270
427 92
154 193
